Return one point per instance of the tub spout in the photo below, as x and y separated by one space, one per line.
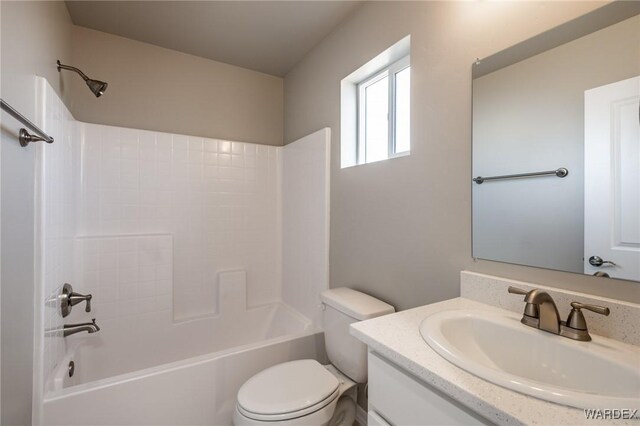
89 327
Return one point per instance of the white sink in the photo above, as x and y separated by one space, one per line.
495 346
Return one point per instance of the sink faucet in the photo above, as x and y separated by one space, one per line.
90 327
548 316
541 312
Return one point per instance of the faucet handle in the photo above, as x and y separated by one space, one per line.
75 298
530 310
602 310
576 318
88 298
69 298
516 290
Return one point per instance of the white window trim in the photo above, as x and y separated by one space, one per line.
388 71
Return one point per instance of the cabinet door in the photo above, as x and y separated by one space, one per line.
403 400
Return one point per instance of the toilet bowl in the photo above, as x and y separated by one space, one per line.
305 392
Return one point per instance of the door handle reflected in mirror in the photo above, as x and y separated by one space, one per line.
597 261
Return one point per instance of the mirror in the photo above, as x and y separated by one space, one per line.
561 112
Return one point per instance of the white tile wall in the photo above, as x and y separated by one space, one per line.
232 293
147 221
219 199
305 210
57 184
126 275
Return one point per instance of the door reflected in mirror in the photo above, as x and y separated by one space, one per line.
573 105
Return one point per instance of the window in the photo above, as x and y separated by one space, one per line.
374 107
383 113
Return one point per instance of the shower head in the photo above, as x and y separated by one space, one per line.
97 87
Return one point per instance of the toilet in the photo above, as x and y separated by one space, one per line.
305 392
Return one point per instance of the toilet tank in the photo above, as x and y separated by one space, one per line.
342 307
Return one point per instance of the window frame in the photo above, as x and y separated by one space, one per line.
389 71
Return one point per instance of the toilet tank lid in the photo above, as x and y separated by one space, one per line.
355 304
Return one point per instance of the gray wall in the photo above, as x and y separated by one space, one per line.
401 229
159 89
529 117
25 54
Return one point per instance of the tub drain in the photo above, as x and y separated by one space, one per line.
72 368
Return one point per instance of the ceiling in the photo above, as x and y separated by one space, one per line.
266 36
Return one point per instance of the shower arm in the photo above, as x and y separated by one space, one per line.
70 68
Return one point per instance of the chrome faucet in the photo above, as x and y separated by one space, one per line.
90 327
541 312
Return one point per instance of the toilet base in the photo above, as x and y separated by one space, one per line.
345 412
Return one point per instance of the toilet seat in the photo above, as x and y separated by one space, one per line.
288 391
290 415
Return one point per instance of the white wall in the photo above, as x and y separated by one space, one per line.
207 207
57 171
529 116
219 199
25 54
305 215
131 280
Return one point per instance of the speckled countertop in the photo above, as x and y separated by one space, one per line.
397 338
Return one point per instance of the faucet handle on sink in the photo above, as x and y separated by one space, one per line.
516 290
576 317
576 324
602 310
530 310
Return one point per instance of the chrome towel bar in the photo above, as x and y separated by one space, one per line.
561 172
24 137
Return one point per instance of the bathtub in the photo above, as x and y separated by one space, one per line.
173 378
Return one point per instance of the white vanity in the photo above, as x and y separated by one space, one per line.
397 397
410 383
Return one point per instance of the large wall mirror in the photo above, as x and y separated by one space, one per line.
561 112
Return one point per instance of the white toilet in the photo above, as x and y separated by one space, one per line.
305 392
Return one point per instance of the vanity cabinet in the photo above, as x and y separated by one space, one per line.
397 398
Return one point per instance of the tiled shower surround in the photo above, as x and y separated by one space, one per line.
56 219
219 199
127 275
151 223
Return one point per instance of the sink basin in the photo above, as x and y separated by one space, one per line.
495 346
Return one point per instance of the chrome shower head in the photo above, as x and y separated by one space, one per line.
97 87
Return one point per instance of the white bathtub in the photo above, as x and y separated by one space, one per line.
156 380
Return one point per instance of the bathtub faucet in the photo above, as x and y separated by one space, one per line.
90 327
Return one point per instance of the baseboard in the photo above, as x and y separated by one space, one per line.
361 416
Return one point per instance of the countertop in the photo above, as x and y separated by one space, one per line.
397 338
